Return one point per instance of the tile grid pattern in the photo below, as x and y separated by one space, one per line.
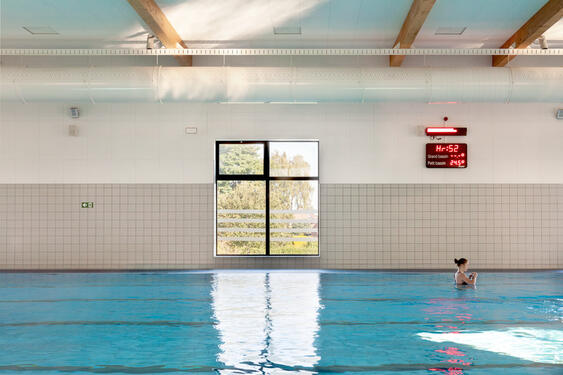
363 226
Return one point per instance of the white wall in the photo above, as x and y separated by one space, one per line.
360 143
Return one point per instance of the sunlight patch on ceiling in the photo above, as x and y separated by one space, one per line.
554 35
226 20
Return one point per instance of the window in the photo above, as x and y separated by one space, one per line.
267 198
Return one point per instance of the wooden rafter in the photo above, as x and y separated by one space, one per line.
544 18
161 27
411 26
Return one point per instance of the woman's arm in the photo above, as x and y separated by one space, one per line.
470 281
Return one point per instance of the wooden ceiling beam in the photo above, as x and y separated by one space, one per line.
411 26
161 27
544 18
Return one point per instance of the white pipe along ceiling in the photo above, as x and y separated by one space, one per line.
285 84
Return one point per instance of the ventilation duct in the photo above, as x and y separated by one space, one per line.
259 84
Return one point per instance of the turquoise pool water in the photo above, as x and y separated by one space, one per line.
280 322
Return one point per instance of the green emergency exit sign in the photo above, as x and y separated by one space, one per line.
87 204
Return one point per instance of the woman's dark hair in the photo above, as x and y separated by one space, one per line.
460 261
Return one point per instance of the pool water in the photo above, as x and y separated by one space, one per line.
280 322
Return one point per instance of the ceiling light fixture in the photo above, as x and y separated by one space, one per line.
40 30
543 42
150 41
450 30
287 30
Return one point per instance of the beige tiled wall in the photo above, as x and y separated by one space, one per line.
170 226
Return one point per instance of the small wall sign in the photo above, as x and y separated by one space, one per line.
87 205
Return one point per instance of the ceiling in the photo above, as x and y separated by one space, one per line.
250 23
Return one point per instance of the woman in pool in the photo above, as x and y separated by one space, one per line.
460 278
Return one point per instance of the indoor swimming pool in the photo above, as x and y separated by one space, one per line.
280 322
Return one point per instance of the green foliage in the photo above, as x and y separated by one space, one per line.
241 195
241 159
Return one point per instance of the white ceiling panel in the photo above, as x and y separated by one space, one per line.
489 23
250 23
235 23
79 23
381 22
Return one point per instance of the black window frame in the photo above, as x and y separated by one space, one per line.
265 176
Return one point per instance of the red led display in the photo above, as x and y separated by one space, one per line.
441 130
446 155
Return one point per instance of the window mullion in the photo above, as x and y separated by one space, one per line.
267 179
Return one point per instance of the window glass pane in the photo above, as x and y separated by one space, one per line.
241 159
241 217
294 217
294 159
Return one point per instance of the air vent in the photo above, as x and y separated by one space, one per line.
40 30
287 30
450 30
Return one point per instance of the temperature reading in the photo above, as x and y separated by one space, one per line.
446 155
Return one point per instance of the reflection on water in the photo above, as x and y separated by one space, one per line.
531 344
453 314
267 322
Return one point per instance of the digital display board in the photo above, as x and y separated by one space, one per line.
446 155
